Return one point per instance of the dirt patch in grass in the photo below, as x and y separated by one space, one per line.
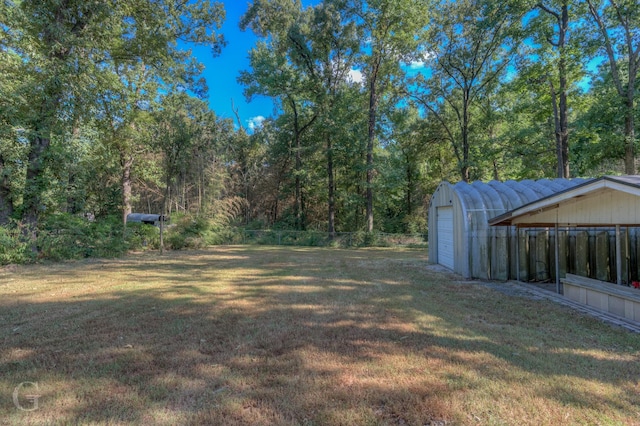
288 336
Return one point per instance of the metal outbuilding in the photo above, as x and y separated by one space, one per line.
460 237
607 202
604 202
149 219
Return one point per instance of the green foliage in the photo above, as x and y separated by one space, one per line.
200 230
416 222
188 233
66 236
600 124
13 247
97 116
66 65
141 236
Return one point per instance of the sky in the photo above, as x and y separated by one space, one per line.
221 72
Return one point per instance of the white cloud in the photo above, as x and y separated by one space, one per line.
416 65
355 76
255 122
420 61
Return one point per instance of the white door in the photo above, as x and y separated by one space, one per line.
445 236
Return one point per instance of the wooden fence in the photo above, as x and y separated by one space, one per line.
585 252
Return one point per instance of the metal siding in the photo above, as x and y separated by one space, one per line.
441 197
445 236
496 236
476 246
596 209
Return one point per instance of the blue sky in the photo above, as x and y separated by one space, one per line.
221 72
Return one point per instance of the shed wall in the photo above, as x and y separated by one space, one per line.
445 196
599 208
485 252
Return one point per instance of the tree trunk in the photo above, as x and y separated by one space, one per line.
126 161
626 94
557 130
33 184
331 187
6 203
297 208
409 171
562 71
629 140
560 109
465 174
373 111
162 214
629 126
298 194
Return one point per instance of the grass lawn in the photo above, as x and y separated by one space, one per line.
299 336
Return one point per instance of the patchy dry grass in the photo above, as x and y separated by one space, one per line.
288 336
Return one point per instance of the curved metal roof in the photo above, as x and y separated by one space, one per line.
590 196
496 198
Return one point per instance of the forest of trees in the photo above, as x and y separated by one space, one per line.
103 111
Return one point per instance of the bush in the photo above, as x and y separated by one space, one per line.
13 246
416 223
225 236
65 236
141 236
190 232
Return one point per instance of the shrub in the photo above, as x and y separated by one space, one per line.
189 232
141 236
13 246
65 236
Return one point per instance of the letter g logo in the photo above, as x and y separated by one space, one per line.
20 393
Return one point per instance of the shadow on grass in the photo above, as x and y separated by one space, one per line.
295 336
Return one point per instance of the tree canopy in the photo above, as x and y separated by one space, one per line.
103 108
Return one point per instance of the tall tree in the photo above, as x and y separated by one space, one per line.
551 67
55 42
618 25
391 31
126 123
559 93
69 51
471 43
325 47
408 152
280 24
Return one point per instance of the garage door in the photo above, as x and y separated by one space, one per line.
445 236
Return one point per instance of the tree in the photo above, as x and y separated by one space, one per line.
392 33
559 93
124 116
66 53
600 123
326 48
51 46
408 153
472 43
618 26
275 74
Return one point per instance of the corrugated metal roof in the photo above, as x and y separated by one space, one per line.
603 215
483 251
499 197
628 180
